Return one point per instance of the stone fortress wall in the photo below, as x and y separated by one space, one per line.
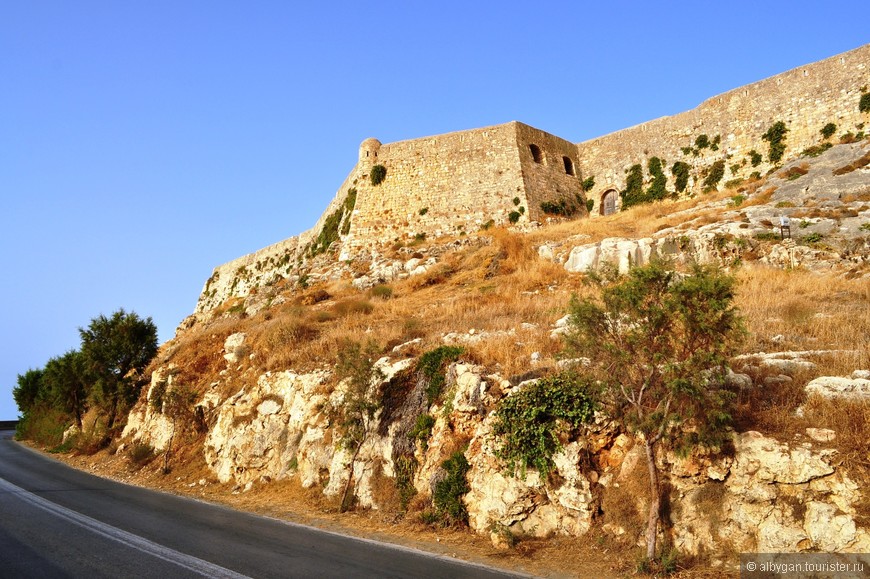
806 99
458 182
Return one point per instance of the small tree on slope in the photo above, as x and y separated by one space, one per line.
658 343
113 349
354 415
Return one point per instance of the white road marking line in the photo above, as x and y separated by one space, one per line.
188 562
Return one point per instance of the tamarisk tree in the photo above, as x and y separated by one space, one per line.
658 342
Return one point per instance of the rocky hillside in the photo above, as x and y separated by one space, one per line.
458 324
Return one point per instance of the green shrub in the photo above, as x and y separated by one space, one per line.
43 424
448 492
828 130
755 158
812 238
714 175
516 200
378 174
432 366
865 227
702 142
564 206
424 211
530 422
680 171
514 216
588 183
816 150
775 136
738 200
423 429
732 183
590 203
864 103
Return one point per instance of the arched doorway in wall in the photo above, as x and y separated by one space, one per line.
608 202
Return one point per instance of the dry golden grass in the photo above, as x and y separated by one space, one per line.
851 422
811 311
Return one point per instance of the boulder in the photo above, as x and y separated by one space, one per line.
235 348
839 387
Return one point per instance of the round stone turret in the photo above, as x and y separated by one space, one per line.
368 151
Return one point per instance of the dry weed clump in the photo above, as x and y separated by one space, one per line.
850 420
856 197
624 503
352 307
760 198
854 165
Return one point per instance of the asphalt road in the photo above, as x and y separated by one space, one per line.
56 521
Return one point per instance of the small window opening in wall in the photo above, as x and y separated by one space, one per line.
536 154
569 165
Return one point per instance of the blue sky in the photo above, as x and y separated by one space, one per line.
142 144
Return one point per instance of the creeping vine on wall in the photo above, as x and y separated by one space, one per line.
714 175
775 135
633 192
680 171
828 130
657 188
378 174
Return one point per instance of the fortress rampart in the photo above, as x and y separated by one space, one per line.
805 99
458 182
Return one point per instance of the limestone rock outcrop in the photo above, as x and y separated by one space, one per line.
766 496
146 422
